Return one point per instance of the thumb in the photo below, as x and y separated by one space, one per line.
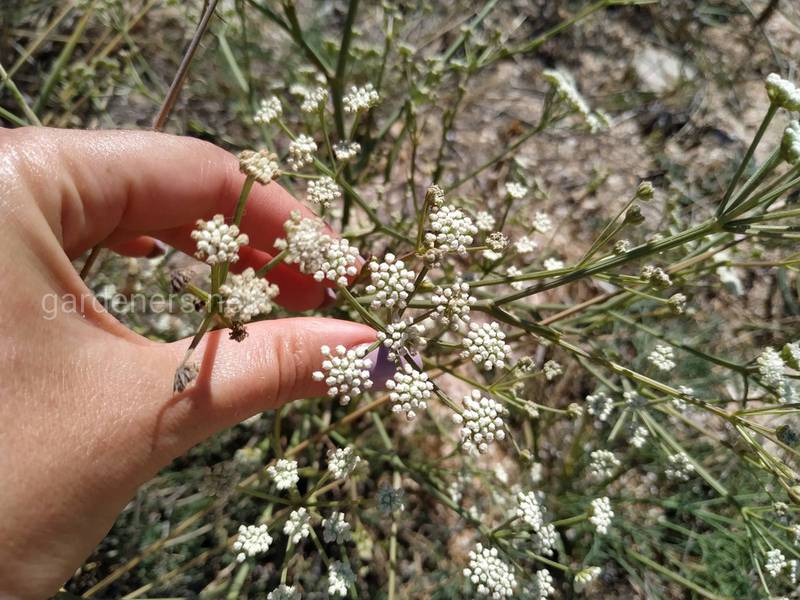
235 380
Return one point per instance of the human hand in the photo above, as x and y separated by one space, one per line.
87 410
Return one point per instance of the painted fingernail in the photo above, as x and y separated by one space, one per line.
159 249
382 369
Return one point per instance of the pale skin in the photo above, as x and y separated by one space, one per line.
86 405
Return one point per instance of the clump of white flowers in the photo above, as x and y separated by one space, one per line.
336 529
790 143
553 264
269 109
345 372
491 577
603 463
680 467
484 221
542 586
662 358
314 100
261 165
451 230
515 190
481 422
284 592
552 369
252 540
317 253
247 296
218 242
402 338
453 305
655 276
529 509
342 462
360 98
297 526
601 514
323 191
391 283
599 405
585 577
346 150
542 222
485 345
782 92
340 577
525 245
409 391
775 562
301 151
770 367
284 473
638 436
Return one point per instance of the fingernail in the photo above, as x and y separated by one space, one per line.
382 369
159 249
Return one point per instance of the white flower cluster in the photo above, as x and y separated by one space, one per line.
485 345
314 100
345 372
451 230
317 253
403 337
301 151
323 191
515 190
297 526
484 221
247 296
775 562
585 577
391 500
601 514
542 586
360 98
340 577
513 271
491 577
655 276
599 405
564 87
409 391
638 436
542 222
552 369
553 264
391 283
770 367
679 467
782 92
261 165
346 150
218 242
603 463
525 245
336 529
529 509
453 305
662 358
791 354
284 592
252 540
269 109
284 473
342 462
790 143
481 422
